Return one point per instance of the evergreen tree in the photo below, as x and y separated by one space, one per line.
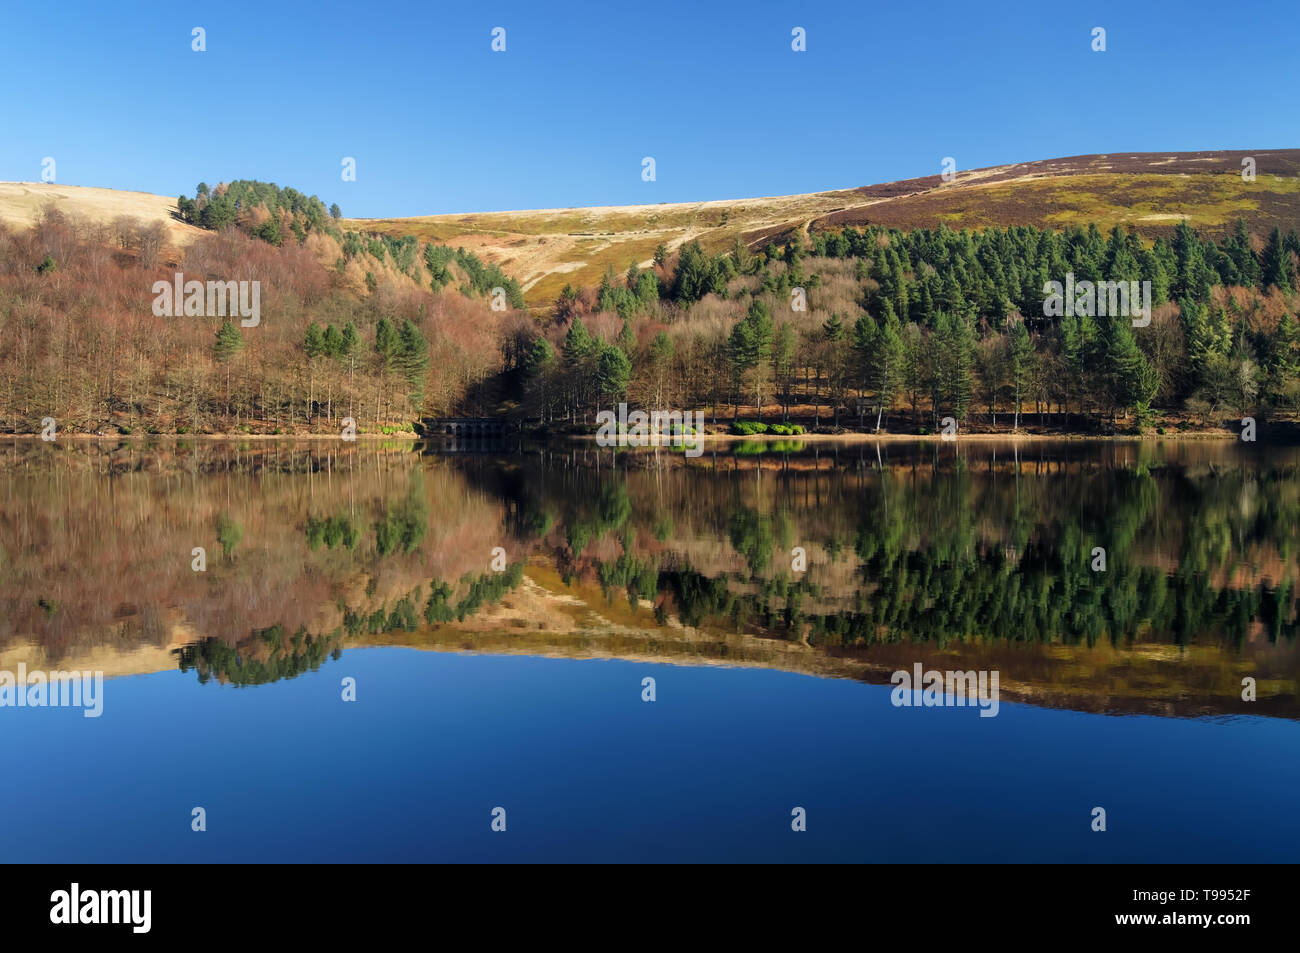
580 354
1022 354
351 341
314 342
1277 269
864 339
914 366
413 360
332 342
386 343
886 362
539 365
694 276
1284 369
1196 334
613 372
955 340
1130 382
229 342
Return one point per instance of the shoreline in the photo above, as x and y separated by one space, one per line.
720 438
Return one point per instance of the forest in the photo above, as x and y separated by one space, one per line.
933 322
865 328
326 545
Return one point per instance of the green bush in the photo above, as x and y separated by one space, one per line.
747 428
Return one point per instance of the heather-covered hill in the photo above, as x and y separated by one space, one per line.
547 248
890 306
1150 191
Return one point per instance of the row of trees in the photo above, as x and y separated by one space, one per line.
261 209
936 321
79 341
952 321
994 272
264 211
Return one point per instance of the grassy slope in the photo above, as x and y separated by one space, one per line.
22 202
1151 191
547 248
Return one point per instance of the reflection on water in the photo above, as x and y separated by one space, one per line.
454 590
985 555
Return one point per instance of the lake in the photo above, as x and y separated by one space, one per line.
320 651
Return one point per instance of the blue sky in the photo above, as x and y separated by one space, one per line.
437 122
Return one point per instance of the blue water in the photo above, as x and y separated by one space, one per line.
587 771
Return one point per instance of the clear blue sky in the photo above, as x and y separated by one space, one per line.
437 122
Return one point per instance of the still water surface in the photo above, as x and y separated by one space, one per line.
523 688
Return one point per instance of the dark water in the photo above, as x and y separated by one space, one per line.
498 610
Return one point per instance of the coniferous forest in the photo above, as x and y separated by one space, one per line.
858 328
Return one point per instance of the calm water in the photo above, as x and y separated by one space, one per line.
497 609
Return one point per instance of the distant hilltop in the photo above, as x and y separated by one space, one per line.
544 249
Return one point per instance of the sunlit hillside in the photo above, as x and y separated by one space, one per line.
547 248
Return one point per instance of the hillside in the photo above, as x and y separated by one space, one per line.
911 298
22 202
547 248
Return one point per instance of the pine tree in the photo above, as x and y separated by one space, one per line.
886 362
539 365
954 349
1196 334
1277 269
1284 369
413 360
1242 253
914 366
1128 381
1022 354
613 372
314 342
229 342
333 342
864 339
579 355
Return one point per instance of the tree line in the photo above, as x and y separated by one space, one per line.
264 211
860 321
